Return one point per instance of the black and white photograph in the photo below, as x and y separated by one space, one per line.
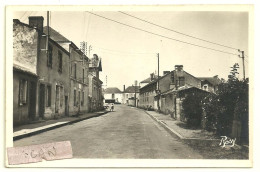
155 83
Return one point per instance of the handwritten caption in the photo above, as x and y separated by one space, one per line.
227 142
35 153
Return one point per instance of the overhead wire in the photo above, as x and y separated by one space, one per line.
162 35
178 31
121 51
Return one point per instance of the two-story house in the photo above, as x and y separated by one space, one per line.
131 95
78 65
95 84
113 93
161 98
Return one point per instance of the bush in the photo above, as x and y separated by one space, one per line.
230 103
192 108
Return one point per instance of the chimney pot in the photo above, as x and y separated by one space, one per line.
179 67
36 21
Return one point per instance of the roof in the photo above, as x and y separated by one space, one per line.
183 88
213 80
148 80
132 89
111 90
56 36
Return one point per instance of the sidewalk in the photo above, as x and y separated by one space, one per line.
206 143
42 126
179 128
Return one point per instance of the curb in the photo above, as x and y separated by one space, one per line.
56 126
171 131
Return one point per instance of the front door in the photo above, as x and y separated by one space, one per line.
42 100
66 106
32 100
79 103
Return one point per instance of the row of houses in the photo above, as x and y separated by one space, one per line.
164 93
52 77
129 95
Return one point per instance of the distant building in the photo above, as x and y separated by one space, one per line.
171 80
131 95
113 93
148 80
210 83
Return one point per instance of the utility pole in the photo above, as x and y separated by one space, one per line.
135 91
48 34
158 92
243 60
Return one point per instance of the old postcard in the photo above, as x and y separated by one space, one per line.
129 86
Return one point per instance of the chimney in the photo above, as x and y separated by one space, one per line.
179 67
124 88
36 21
166 72
152 76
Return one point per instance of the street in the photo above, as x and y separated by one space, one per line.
125 133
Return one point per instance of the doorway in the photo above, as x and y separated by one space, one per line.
42 100
32 100
66 106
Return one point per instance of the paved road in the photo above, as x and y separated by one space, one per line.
126 133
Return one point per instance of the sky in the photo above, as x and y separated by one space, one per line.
129 54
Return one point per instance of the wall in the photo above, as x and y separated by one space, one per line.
22 113
25 47
52 77
146 97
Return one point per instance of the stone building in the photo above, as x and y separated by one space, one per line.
151 97
210 83
77 76
95 84
25 75
53 72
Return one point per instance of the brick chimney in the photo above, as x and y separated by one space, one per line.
166 72
152 76
179 67
124 88
36 21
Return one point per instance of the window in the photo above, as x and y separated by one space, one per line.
75 98
48 96
61 96
49 58
60 61
83 75
75 70
205 87
82 100
57 101
113 96
22 92
127 96
181 81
